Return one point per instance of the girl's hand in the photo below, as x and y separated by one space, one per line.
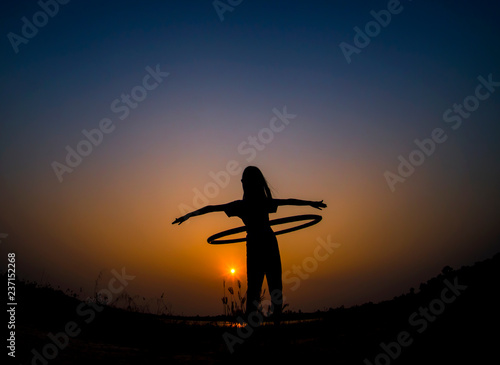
181 219
318 205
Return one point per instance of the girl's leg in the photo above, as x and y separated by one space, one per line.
255 278
274 281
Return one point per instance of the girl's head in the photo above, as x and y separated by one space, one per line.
254 184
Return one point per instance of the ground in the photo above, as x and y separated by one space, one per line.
451 318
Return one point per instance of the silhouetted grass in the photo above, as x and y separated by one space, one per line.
236 305
464 333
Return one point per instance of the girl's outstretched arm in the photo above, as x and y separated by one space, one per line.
204 210
314 204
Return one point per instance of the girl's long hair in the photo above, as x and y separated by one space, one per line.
254 184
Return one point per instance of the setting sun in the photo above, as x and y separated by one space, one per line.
233 271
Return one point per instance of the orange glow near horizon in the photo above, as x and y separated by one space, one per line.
123 219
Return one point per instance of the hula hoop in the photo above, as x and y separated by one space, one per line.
314 218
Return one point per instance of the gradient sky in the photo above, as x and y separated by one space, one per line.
352 122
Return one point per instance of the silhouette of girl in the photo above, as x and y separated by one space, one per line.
263 256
